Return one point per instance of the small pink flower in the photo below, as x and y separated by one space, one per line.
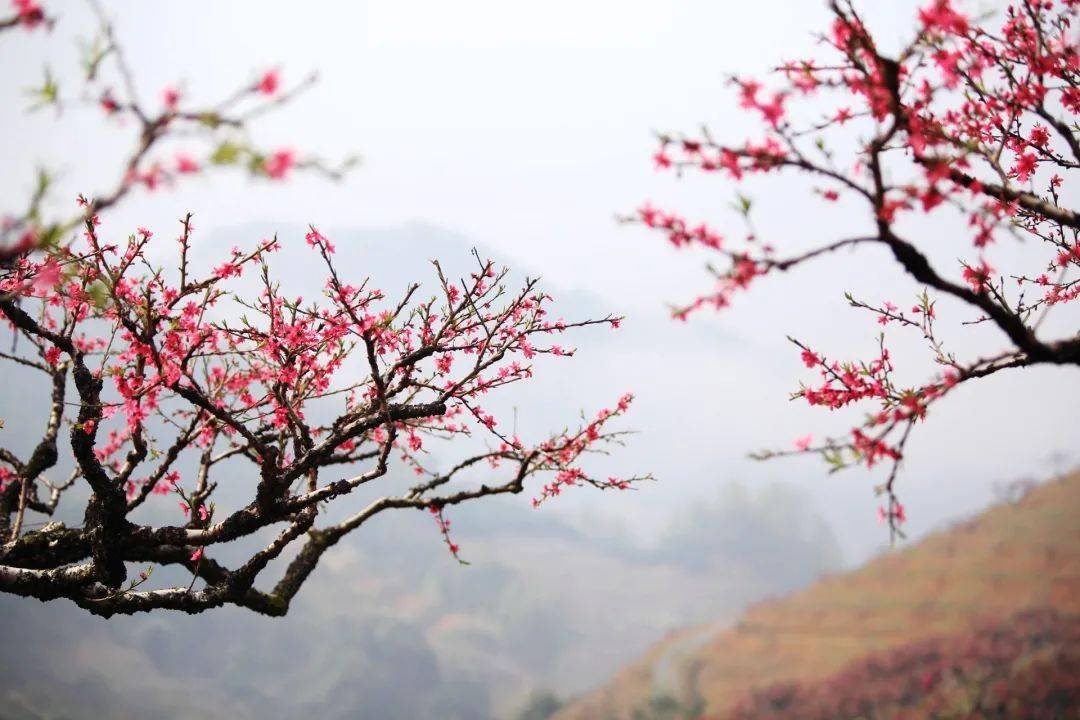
47 277
185 164
278 165
171 98
268 83
52 356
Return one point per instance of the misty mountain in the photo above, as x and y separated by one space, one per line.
392 627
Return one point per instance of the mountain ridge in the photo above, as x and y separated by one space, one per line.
1013 556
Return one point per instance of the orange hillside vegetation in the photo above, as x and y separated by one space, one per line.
1013 556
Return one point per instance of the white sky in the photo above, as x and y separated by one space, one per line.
527 127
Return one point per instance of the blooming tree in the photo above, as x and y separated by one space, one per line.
967 119
171 384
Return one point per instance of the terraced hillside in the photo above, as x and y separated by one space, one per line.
1024 667
1014 556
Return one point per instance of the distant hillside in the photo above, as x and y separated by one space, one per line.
1026 667
1012 557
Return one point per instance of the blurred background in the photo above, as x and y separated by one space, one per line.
522 130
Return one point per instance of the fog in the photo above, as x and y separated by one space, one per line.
524 130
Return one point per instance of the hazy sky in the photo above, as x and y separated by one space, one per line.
526 127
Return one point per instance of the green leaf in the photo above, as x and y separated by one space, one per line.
99 293
257 164
742 204
47 94
227 153
49 237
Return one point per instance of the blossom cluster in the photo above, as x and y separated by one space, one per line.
966 122
173 380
